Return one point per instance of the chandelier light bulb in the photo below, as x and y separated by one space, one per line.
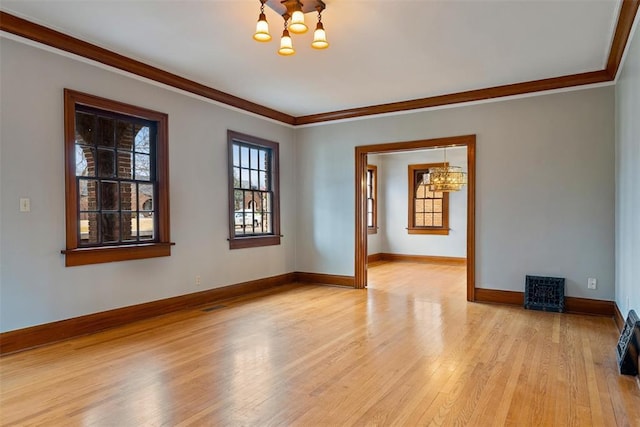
319 37
286 45
262 29
297 24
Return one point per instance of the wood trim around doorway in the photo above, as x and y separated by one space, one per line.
468 141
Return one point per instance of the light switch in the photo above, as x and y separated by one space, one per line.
25 205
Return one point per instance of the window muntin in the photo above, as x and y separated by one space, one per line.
254 218
428 210
372 199
117 181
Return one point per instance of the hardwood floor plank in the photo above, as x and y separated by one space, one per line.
409 350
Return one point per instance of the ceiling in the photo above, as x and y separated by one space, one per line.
381 51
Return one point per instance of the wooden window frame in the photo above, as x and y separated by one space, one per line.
374 191
161 246
254 241
412 228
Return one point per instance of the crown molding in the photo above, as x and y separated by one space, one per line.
49 37
628 11
461 97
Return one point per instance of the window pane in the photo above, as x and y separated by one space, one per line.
110 227
109 196
419 206
419 220
88 196
106 128
254 179
236 155
125 164
88 228
147 226
438 194
428 205
437 205
244 157
236 177
262 165
369 205
85 165
428 220
268 223
143 167
145 197
437 220
142 139
266 202
244 178
369 219
254 158
263 180
106 163
85 129
238 201
421 193
124 136
129 226
128 200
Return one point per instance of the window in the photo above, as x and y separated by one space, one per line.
428 210
117 181
372 199
254 199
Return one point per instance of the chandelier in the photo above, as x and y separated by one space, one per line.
292 12
445 178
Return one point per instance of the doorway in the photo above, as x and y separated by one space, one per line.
469 141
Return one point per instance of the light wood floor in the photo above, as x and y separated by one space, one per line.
408 351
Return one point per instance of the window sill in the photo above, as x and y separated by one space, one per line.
253 242
437 231
85 256
372 230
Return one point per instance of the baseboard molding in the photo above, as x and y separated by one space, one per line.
417 258
324 279
374 258
590 306
619 318
572 304
496 296
35 336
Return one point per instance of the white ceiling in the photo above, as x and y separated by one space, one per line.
381 50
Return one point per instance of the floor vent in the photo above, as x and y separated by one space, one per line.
628 347
215 307
544 293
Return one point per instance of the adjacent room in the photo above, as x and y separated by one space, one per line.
319 212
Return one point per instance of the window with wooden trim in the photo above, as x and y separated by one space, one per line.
117 181
428 210
254 197
372 199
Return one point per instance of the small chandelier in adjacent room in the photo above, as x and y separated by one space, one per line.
292 12
445 178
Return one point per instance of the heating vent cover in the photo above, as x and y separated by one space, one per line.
544 293
629 345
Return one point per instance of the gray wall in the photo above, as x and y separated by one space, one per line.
394 184
545 187
545 191
35 287
628 181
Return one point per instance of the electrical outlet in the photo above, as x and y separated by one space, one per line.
25 205
592 283
198 281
